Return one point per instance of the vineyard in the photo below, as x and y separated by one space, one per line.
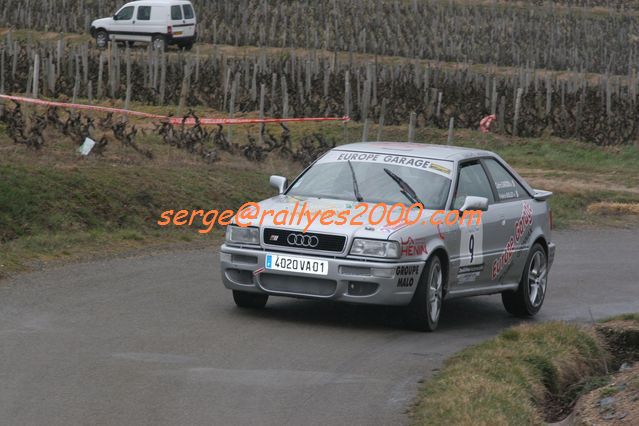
542 34
542 67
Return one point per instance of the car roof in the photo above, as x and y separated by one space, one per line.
438 152
156 2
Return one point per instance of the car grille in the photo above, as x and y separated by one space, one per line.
304 240
298 285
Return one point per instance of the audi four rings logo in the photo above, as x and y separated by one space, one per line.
302 240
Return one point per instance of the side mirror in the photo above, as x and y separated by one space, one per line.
474 203
115 17
279 182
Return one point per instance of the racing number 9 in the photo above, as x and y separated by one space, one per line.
471 247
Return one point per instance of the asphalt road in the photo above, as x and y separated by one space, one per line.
156 340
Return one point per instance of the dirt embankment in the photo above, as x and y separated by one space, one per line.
616 403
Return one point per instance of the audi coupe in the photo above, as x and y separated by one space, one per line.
396 237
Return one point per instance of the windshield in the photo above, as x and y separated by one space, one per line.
332 177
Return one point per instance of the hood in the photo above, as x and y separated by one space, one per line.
101 22
295 213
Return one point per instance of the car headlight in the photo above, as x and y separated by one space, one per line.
240 235
375 248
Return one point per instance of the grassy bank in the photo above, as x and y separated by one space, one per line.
62 211
507 380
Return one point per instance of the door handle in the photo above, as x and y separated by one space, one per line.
134 22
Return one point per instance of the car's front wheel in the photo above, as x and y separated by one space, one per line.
527 300
424 310
102 39
244 299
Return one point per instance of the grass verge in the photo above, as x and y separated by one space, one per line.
507 380
69 212
623 317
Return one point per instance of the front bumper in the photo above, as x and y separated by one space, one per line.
173 39
355 281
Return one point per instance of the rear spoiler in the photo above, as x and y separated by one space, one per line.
541 195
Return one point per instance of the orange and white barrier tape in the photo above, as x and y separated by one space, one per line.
172 120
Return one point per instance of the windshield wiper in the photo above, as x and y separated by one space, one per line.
406 189
358 195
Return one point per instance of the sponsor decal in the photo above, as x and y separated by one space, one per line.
526 239
469 273
522 226
470 268
507 189
505 184
440 168
413 247
407 275
401 160
392 228
258 271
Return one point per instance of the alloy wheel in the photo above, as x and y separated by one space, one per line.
537 278
435 291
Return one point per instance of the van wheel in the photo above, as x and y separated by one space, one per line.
158 42
423 312
187 46
102 39
527 300
244 299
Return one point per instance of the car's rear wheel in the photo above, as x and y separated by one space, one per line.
425 308
158 42
244 299
102 39
529 297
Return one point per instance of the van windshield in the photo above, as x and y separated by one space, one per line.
124 14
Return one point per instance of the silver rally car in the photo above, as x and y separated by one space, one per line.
415 257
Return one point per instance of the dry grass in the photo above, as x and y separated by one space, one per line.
623 317
607 208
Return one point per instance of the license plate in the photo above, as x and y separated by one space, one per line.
296 264
178 33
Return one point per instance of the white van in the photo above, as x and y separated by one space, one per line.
161 22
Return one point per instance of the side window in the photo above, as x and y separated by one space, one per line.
508 188
176 13
472 182
188 12
144 13
125 14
